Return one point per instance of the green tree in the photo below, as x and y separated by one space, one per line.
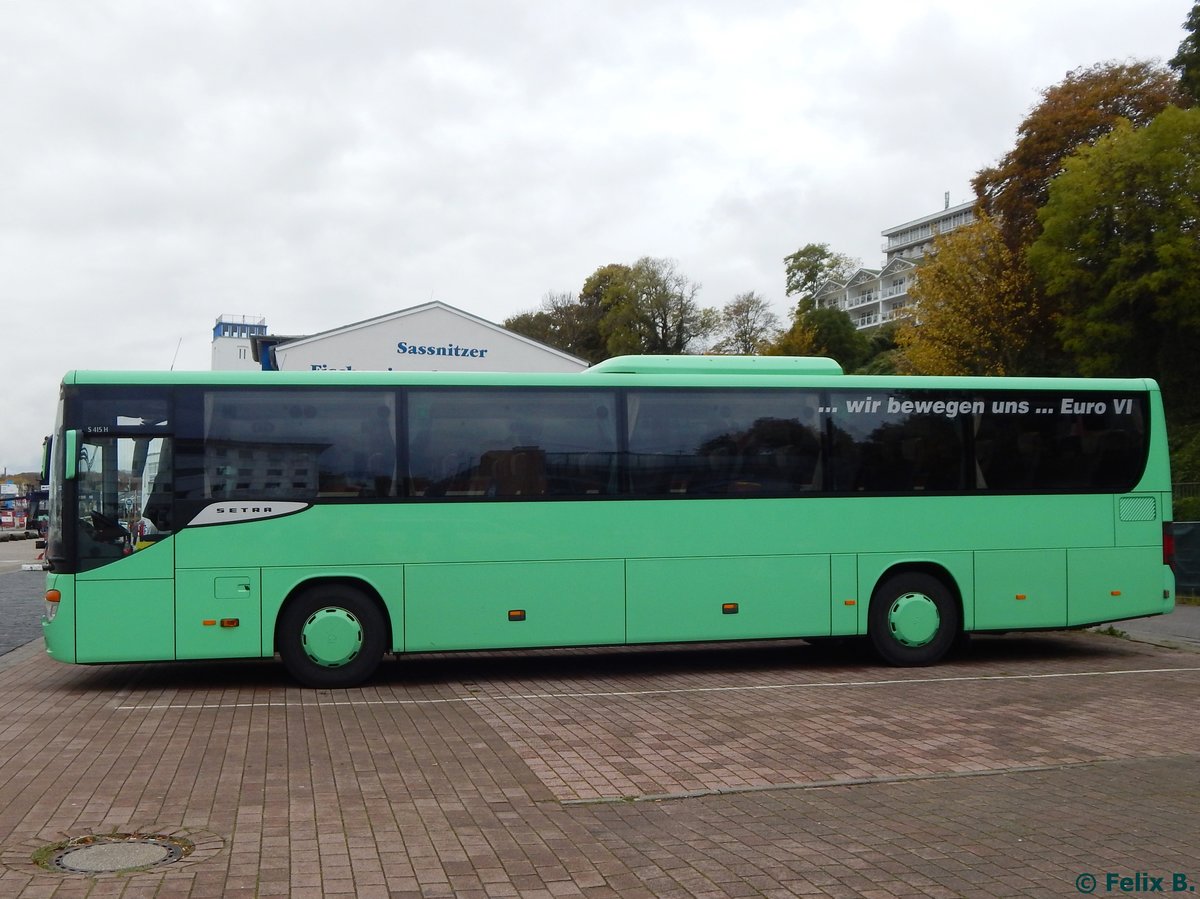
811 265
1077 112
569 323
747 325
535 324
650 307
974 311
580 325
884 355
1187 61
822 331
1120 254
605 286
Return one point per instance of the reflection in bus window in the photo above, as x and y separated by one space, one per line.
125 495
512 443
897 446
284 444
1057 450
710 443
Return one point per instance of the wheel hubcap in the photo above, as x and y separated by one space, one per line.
914 619
332 637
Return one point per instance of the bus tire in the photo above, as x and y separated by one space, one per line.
913 619
331 636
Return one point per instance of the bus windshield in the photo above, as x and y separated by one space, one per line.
123 484
124 495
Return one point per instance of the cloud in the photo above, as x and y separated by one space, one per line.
323 163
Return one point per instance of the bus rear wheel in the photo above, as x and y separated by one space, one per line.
913 620
331 636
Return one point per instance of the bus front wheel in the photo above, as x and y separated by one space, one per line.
331 636
913 620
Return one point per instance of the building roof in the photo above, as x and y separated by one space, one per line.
417 310
896 264
932 217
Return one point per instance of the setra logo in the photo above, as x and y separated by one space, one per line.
235 513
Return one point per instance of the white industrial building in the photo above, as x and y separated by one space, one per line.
431 337
233 342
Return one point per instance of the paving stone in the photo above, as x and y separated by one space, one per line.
772 769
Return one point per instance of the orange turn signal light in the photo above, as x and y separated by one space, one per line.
516 614
230 622
1022 596
53 596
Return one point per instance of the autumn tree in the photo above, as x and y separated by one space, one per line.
798 340
1120 254
1076 112
973 312
1186 62
747 325
813 264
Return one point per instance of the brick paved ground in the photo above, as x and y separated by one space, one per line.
767 770
21 594
21 605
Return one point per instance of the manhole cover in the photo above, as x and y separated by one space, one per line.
112 853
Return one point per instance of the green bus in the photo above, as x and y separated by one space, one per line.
334 517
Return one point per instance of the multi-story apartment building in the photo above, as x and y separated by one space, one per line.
874 296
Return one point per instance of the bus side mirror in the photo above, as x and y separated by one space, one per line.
47 445
71 455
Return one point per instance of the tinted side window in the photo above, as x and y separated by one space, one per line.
1032 441
120 407
1041 441
299 444
723 442
898 442
483 443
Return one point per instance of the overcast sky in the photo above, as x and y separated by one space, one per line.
320 163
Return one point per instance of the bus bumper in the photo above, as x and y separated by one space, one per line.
58 619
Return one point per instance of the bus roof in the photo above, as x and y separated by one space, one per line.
717 365
666 371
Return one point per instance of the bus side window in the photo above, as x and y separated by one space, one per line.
376 461
908 445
